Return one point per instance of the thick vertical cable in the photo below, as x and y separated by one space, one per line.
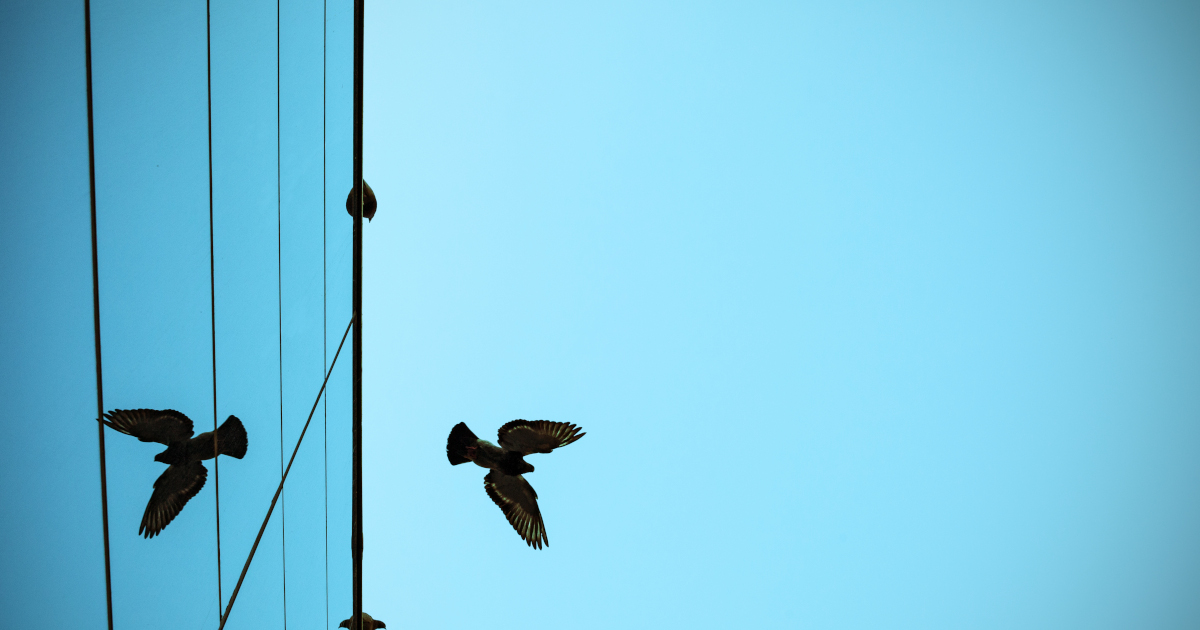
212 288
356 541
87 38
279 281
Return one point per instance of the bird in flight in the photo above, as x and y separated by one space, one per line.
184 475
367 623
504 482
369 203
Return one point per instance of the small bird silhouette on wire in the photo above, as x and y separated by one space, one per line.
369 203
504 483
367 623
185 475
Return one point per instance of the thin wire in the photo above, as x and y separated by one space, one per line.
258 539
279 269
325 291
212 287
87 38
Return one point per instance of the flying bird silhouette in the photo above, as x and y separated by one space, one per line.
369 203
184 475
504 482
367 623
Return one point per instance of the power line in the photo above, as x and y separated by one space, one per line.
279 490
356 540
212 286
325 286
279 277
87 38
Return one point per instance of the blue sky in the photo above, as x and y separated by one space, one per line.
876 315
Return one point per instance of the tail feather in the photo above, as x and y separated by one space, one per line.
456 446
231 438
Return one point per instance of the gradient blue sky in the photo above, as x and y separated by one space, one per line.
877 315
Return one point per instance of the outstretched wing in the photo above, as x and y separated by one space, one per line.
537 436
172 490
518 501
151 425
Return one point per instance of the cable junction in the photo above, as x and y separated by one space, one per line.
279 490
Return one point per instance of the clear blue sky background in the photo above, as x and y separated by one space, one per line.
876 315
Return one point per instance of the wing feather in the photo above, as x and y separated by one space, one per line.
151 425
537 436
172 490
518 500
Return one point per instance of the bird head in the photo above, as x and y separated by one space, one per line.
367 623
527 468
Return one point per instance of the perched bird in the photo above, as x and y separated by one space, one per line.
369 204
367 623
504 483
184 475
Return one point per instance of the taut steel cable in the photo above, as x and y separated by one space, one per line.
356 536
87 38
325 287
212 287
279 279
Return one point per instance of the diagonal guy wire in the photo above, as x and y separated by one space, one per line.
278 490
